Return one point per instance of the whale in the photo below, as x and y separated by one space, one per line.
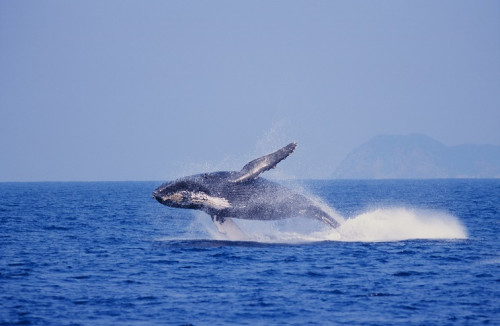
243 194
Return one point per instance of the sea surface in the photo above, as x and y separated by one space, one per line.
409 252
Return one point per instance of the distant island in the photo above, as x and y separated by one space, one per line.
417 156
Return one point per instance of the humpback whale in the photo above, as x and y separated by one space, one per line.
241 194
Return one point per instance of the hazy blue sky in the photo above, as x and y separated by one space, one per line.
152 90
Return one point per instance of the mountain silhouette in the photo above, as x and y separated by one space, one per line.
418 156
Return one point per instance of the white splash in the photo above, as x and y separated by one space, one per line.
379 225
396 224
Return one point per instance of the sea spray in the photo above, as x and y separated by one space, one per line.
396 224
379 225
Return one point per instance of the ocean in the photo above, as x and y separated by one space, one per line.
408 252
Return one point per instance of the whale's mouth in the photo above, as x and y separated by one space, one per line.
169 200
176 197
158 199
165 199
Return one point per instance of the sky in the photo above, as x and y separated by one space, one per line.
155 90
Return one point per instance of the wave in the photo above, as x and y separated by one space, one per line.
378 225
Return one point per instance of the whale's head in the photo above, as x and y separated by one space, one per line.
189 192
180 193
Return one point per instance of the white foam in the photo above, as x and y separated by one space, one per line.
396 224
379 225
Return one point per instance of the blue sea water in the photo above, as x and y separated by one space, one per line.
409 252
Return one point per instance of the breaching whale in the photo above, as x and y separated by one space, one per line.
242 195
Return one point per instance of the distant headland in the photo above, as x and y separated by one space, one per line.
418 156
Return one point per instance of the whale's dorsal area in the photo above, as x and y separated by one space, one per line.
253 168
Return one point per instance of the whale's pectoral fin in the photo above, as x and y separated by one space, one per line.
252 169
226 226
